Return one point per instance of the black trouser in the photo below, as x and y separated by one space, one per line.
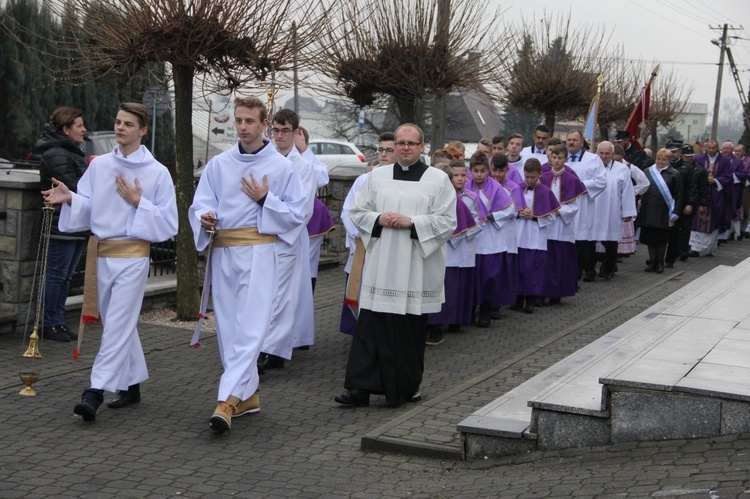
610 257
679 238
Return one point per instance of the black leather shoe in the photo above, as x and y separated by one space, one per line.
669 265
693 254
55 334
683 258
496 315
485 315
71 334
354 398
126 397
90 402
268 361
589 276
554 301
659 268
608 276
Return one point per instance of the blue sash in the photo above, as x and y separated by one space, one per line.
664 190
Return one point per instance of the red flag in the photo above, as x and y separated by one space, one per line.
638 117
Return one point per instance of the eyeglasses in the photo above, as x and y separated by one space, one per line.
389 150
283 131
401 143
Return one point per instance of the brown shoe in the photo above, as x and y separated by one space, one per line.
249 406
221 420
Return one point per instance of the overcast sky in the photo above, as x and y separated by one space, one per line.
673 32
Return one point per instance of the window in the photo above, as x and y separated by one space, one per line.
346 150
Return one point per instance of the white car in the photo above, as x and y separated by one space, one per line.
335 152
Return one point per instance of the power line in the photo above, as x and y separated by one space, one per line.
679 10
706 10
662 16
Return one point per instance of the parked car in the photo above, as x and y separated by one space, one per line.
94 144
334 152
349 169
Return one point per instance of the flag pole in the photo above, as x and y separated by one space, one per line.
599 85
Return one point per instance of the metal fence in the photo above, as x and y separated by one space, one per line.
163 262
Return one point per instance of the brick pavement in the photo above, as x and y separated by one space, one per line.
303 444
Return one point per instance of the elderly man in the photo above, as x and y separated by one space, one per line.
590 170
405 214
614 206
711 219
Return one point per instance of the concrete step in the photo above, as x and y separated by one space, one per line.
667 347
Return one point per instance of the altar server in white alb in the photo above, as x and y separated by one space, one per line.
292 322
250 195
405 214
127 199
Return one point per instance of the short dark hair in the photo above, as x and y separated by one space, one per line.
457 163
486 142
499 161
252 103
554 141
287 116
498 139
557 149
387 137
478 158
64 116
139 110
544 128
619 150
445 168
305 134
532 165
516 136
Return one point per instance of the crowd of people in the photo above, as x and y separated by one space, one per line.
431 247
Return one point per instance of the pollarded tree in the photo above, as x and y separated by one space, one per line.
232 43
553 72
409 50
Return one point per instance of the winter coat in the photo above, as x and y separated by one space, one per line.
64 160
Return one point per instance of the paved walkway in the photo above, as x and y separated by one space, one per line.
304 444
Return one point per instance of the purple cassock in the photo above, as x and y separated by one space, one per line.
514 176
562 257
532 263
496 274
321 222
714 216
459 281
733 207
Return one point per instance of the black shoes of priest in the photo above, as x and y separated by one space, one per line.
90 402
267 361
354 398
126 397
54 333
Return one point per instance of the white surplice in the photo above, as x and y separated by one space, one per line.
404 275
590 170
564 227
615 203
292 322
121 282
244 278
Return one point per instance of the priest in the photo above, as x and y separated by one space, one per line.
405 214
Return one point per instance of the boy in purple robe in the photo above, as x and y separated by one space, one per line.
540 212
460 260
562 257
496 262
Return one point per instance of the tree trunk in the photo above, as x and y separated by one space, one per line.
549 120
437 137
406 108
188 299
603 133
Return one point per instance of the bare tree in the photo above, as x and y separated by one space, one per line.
232 43
552 71
396 48
669 99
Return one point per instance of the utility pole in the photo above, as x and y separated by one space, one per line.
723 46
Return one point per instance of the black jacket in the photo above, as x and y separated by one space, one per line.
637 157
62 159
654 211
689 176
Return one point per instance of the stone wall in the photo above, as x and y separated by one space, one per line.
20 223
333 195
